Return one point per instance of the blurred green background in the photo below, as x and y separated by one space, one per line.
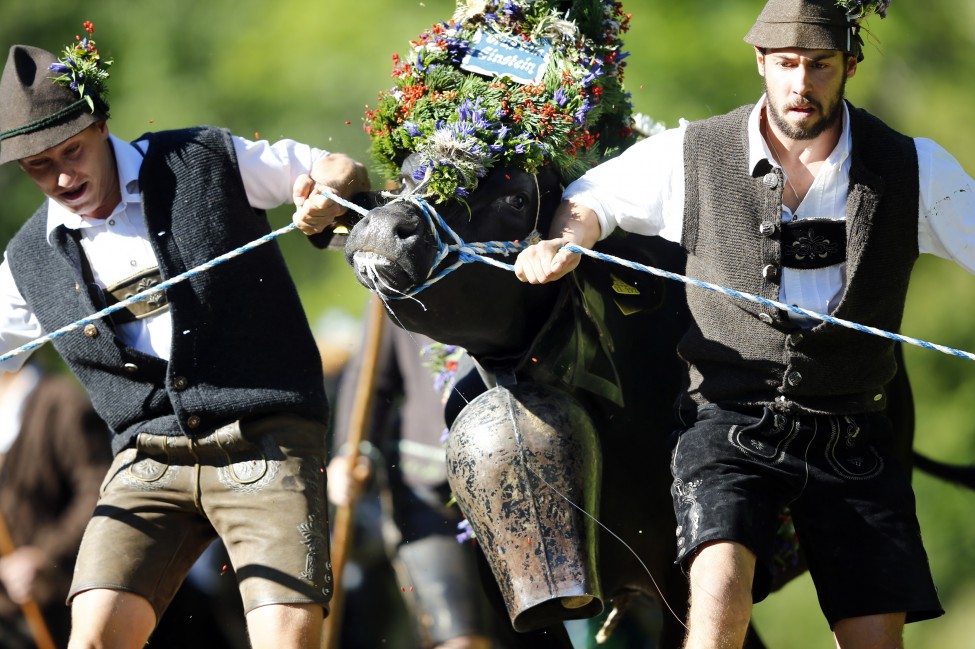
306 70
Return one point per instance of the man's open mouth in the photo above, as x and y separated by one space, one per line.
74 194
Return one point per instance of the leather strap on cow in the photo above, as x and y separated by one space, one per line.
574 350
123 290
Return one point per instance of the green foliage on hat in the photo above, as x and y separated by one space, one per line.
858 9
82 68
464 123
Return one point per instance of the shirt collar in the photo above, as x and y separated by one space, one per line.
129 161
758 150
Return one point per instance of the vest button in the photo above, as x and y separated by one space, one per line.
180 382
90 330
794 378
193 421
77 287
131 368
795 339
771 271
765 317
766 229
770 180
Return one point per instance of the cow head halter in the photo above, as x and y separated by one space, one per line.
466 251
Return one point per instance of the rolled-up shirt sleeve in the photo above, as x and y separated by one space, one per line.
269 170
18 325
946 221
641 190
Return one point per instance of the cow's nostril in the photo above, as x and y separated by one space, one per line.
406 229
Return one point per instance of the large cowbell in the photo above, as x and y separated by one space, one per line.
525 466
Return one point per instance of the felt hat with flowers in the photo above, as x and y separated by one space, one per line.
814 24
44 100
521 83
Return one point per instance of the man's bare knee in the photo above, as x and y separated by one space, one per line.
286 626
721 595
722 570
884 631
110 619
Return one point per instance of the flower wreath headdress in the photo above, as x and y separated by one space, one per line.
523 83
82 69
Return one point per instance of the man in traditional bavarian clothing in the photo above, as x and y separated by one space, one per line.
214 389
806 200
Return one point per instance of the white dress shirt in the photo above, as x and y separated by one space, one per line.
118 247
642 191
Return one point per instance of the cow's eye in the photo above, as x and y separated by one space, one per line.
517 201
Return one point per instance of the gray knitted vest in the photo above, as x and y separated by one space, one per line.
748 354
241 343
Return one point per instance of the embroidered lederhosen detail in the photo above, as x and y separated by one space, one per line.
813 243
851 451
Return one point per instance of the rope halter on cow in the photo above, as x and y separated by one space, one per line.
466 252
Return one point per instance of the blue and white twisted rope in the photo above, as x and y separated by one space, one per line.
466 253
476 252
746 296
771 303
162 286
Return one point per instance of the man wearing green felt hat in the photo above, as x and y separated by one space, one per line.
213 389
804 200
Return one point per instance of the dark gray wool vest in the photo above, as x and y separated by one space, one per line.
749 354
241 343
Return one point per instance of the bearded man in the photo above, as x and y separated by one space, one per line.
805 200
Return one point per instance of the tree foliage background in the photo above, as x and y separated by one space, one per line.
306 70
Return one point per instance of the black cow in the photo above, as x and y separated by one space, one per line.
518 332
603 338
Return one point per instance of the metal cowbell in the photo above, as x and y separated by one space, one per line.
525 465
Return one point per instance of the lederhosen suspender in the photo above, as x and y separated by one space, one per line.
126 288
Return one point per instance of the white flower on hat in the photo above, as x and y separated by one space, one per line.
471 9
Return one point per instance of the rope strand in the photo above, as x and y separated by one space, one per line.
151 292
476 252
469 252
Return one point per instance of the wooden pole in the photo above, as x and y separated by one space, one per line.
35 621
342 526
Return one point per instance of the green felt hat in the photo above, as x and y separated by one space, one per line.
814 24
45 100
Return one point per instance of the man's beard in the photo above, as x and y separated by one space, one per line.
829 115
